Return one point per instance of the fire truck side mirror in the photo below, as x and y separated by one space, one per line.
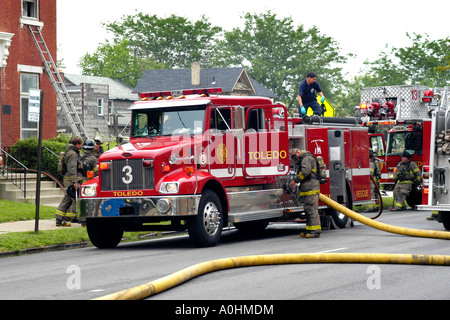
239 118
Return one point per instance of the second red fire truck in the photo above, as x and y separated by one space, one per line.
202 161
398 118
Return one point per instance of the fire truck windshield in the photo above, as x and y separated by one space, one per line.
168 121
410 141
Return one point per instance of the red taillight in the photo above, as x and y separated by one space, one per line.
427 96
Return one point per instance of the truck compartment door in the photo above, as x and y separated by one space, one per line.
266 145
337 167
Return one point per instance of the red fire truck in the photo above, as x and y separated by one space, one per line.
202 161
437 174
398 118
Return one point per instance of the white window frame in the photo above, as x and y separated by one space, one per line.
35 13
25 95
32 21
111 107
100 106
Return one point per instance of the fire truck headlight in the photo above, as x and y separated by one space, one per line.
163 205
169 187
88 191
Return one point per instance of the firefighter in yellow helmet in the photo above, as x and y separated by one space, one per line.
309 190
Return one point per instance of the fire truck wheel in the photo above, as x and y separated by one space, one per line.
104 233
445 217
414 198
338 219
206 228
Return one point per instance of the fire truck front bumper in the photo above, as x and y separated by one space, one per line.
168 206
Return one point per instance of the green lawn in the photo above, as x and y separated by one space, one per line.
15 211
18 241
11 211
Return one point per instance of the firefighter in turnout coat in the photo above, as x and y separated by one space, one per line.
375 174
72 162
407 176
309 190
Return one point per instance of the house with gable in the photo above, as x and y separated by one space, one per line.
101 102
233 81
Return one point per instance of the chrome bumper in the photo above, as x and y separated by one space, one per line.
169 206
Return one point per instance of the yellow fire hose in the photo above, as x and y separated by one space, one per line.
174 279
382 226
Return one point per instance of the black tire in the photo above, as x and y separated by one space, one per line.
205 229
445 217
414 198
338 219
104 233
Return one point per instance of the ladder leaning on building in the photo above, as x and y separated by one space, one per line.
58 84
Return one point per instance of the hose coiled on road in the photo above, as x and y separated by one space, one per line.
174 279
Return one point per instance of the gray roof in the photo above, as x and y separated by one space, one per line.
117 89
179 79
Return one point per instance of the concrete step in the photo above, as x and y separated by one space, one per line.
50 193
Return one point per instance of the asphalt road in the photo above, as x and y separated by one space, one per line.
87 273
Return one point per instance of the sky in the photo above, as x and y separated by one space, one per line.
360 27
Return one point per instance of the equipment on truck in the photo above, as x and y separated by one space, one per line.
203 161
436 173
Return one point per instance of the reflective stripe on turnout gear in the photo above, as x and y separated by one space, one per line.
309 193
313 228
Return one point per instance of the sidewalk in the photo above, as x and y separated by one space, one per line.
29 225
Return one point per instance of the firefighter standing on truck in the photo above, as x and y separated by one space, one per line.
309 190
307 95
71 163
407 176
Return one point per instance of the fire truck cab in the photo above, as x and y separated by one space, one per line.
436 175
202 161
398 118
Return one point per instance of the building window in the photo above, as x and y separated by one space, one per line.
100 106
27 81
111 107
30 9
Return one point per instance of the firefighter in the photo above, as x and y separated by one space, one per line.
98 148
375 173
309 190
407 176
88 157
307 95
71 162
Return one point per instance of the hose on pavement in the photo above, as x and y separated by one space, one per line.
157 286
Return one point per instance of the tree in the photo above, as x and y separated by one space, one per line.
279 55
172 42
421 63
113 60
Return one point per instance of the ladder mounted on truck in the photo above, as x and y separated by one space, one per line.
58 84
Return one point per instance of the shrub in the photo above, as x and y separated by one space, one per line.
25 151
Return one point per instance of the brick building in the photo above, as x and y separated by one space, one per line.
21 68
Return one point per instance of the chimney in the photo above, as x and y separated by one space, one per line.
195 74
